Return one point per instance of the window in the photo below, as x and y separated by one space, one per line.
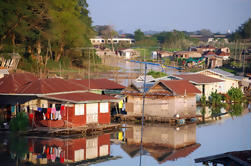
104 108
79 109
79 155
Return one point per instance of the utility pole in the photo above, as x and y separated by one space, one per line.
89 72
244 57
142 119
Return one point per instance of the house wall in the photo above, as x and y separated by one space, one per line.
212 87
226 85
165 136
76 120
80 120
104 118
162 107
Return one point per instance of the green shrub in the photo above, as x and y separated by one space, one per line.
20 122
235 94
215 98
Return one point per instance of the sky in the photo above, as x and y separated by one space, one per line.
166 15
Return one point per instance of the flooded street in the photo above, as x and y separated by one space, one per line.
129 70
162 145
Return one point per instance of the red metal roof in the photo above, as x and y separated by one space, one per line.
198 78
50 85
78 97
180 87
10 83
99 84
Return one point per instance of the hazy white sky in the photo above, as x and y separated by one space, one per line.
165 15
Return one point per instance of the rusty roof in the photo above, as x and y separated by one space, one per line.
210 53
198 78
180 87
10 83
50 85
99 84
79 97
223 54
183 152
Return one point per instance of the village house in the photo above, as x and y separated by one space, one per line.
223 49
224 56
163 143
129 53
228 78
9 61
3 72
203 49
164 99
73 150
204 83
55 102
212 60
187 54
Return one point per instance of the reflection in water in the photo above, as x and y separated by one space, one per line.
161 142
236 109
61 151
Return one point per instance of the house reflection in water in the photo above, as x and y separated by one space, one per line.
162 142
78 150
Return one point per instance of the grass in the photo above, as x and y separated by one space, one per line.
156 74
229 70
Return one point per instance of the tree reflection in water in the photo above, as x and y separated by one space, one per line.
18 147
236 109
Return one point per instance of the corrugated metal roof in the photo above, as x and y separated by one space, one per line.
99 84
50 85
221 72
180 87
10 83
80 97
197 78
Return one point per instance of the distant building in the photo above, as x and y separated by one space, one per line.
187 54
99 41
203 49
212 60
223 55
3 72
9 61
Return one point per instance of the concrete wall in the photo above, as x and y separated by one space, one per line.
228 82
162 107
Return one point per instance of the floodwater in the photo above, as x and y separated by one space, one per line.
129 70
162 145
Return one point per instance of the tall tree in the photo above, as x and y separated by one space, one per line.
244 31
139 35
108 33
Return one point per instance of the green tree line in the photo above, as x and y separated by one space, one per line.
171 40
45 30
